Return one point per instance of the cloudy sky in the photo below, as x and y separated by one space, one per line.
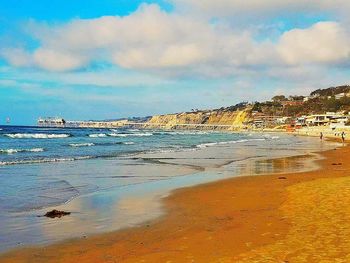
99 59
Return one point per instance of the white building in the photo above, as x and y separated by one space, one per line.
330 118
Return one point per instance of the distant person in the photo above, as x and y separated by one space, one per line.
343 137
321 136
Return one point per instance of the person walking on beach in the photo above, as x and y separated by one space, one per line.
343 137
321 136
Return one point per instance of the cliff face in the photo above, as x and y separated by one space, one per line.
221 119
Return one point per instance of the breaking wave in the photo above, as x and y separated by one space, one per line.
130 134
81 144
36 136
97 135
182 132
133 130
13 151
45 160
204 145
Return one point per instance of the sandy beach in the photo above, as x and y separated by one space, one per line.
295 217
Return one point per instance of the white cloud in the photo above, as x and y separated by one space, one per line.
56 60
260 7
324 42
16 56
147 39
172 44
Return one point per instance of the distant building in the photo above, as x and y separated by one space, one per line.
282 120
300 122
261 120
329 118
341 95
51 122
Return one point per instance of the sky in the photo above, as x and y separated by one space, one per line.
108 59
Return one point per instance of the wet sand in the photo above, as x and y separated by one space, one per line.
294 217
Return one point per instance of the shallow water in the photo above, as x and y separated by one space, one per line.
120 184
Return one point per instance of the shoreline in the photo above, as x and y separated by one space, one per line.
216 224
121 193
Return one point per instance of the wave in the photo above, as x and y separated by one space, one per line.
13 151
98 135
141 134
36 136
46 160
81 144
117 135
130 134
99 144
204 145
182 132
113 143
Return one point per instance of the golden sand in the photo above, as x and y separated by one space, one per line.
297 217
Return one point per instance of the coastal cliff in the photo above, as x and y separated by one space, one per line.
217 119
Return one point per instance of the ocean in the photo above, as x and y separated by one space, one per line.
115 178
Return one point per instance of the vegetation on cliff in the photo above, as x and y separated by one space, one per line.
319 101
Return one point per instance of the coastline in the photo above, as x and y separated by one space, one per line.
213 222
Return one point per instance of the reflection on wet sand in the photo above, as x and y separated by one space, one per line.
112 214
280 165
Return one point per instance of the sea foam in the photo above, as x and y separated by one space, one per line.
204 145
130 134
45 160
36 136
98 135
81 144
13 151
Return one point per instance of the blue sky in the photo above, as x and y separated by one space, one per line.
89 59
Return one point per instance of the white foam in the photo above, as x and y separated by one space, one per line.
141 134
45 160
81 144
36 150
36 136
185 133
133 130
130 134
117 135
13 151
98 135
128 143
9 151
204 145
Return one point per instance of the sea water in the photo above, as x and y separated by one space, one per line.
114 178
